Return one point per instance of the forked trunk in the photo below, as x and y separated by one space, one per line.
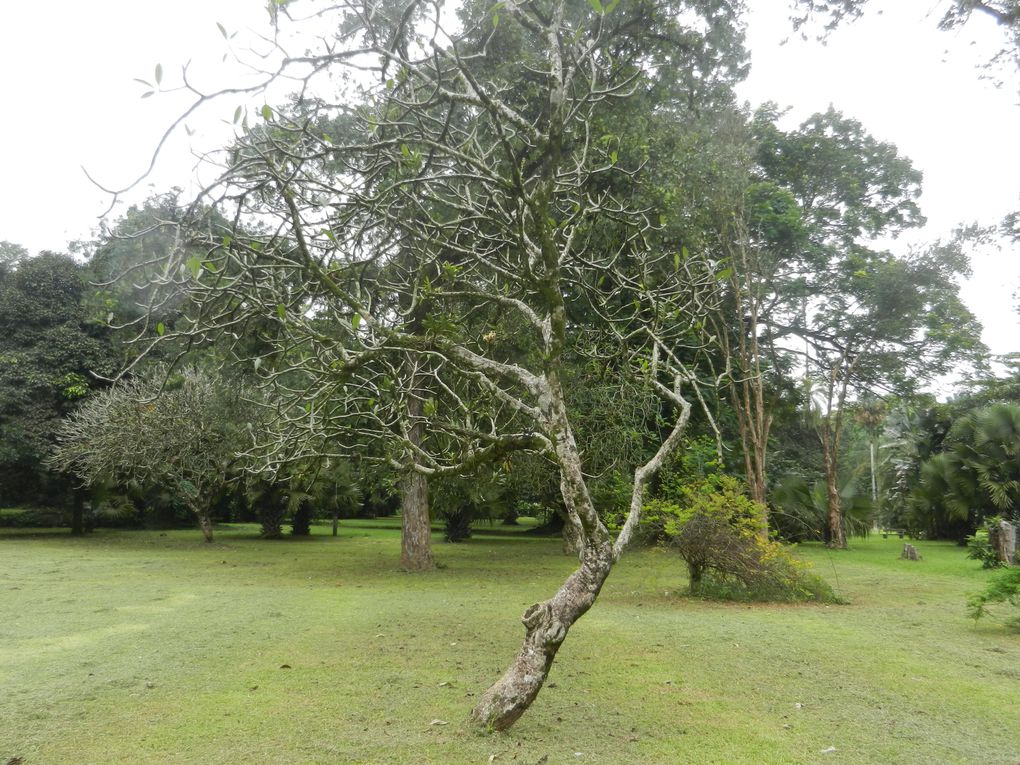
546 625
416 532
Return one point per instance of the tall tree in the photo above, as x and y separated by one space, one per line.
520 224
48 354
858 318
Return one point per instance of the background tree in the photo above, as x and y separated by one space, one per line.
181 433
48 355
860 319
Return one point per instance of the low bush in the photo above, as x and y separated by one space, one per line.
979 545
1003 588
31 517
719 533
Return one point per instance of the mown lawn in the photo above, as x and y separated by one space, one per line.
153 647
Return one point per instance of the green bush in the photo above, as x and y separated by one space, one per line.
1003 588
979 546
31 517
719 533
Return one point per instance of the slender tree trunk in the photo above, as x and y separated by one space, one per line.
416 531
874 475
78 513
831 436
546 624
834 537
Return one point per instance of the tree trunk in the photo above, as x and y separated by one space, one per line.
834 536
416 531
546 625
78 513
205 523
573 536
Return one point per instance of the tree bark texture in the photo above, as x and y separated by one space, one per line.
834 536
205 523
546 625
416 531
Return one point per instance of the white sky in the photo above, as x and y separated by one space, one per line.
69 100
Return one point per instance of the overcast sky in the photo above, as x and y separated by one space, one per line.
70 100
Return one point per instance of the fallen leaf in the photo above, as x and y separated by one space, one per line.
439 722
285 666
830 750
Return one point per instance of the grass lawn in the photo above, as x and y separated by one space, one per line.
152 647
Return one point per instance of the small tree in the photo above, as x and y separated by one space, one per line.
716 528
181 432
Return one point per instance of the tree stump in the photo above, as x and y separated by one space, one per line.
910 552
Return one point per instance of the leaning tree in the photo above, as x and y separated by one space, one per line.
434 246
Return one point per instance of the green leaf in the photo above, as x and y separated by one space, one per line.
356 321
237 114
194 265
281 310
227 241
146 83
612 6
725 274
495 20
222 29
257 363
147 93
676 260
405 151
267 112
161 329
159 73
389 84
613 156
596 5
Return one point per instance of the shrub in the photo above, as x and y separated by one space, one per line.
718 531
31 517
1003 588
979 545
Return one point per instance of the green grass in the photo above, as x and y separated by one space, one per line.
150 647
